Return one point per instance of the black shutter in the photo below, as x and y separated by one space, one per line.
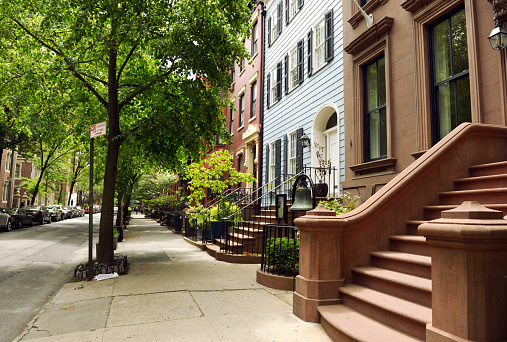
278 161
299 151
280 21
300 61
269 31
310 45
279 81
268 88
285 154
300 3
286 73
329 47
287 12
267 165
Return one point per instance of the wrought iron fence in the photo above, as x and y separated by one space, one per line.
175 221
280 250
327 176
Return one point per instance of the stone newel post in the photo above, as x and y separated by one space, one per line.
469 274
320 273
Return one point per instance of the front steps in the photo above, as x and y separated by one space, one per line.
390 300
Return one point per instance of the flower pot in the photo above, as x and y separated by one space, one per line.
321 190
217 230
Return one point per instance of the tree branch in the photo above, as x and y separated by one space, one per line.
131 52
94 78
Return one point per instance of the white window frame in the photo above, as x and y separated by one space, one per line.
292 153
272 161
319 44
293 67
253 108
272 87
293 9
274 25
5 191
8 164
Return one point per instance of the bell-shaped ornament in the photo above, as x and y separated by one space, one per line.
302 199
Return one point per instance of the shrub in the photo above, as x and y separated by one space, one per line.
283 254
341 205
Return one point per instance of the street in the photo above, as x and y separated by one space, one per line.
34 263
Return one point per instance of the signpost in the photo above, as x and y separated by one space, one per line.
95 131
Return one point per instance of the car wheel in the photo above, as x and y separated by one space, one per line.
49 221
41 221
18 225
29 224
8 227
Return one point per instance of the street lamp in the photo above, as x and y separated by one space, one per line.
498 37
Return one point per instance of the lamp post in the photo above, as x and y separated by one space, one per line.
305 141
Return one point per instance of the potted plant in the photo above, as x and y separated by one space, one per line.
218 213
321 188
199 217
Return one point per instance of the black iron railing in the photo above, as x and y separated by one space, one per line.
280 250
327 176
174 221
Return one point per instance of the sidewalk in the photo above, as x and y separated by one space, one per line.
173 292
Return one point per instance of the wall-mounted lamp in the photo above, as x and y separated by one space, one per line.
305 141
498 37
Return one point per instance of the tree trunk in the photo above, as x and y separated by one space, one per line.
105 251
126 206
72 184
36 190
119 214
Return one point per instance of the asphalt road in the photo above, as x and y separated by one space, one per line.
34 263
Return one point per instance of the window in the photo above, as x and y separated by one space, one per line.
254 39
5 191
291 9
323 50
449 70
275 84
292 153
375 126
241 110
8 161
275 23
232 120
254 100
272 161
233 72
295 66
364 2
243 63
18 170
240 166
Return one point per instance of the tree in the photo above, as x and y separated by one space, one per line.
215 172
143 62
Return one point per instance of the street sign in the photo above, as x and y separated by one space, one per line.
97 130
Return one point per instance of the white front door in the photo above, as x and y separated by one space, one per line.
333 154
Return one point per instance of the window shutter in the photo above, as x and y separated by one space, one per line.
279 81
299 150
268 89
329 36
310 46
285 154
287 12
286 73
269 31
300 3
278 161
280 21
300 61
267 164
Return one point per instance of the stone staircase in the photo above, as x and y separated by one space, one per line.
390 300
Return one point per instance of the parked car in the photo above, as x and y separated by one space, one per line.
19 217
5 221
68 212
97 208
87 210
80 211
52 213
60 212
39 213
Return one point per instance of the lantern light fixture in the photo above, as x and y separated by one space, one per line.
498 37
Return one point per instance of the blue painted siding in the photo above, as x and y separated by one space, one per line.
299 107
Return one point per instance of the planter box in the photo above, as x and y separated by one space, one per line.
217 230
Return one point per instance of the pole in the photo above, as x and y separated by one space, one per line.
90 216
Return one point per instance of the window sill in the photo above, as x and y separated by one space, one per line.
315 71
242 71
381 166
295 87
252 119
253 57
240 128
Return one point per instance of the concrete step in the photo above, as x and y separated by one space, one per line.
488 169
483 196
432 212
416 265
405 286
343 323
406 316
412 226
414 244
481 182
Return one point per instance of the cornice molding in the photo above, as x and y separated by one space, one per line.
368 7
413 5
370 36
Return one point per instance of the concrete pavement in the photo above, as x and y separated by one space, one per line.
173 292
